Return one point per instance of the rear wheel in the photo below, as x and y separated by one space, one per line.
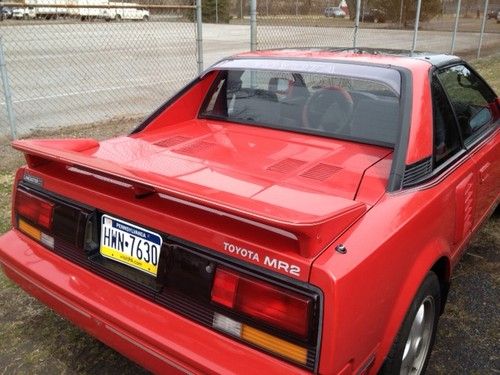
411 350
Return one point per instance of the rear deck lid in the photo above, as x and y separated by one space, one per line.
301 185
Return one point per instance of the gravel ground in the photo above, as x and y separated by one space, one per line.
35 340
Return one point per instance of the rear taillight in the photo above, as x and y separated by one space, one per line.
34 208
267 308
263 301
34 216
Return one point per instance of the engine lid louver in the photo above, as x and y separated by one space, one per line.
172 141
321 172
286 165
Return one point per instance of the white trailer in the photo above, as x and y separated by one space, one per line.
24 13
136 13
46 11
87 13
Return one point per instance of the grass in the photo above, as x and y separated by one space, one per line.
33 338
36 340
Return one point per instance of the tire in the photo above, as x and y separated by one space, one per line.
419 327
145 18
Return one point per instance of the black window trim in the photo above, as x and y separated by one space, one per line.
434 77
443 170
483 132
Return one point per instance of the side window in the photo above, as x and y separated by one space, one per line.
446 136
470 98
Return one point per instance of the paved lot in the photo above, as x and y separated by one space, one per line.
66 73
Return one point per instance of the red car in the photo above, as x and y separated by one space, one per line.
288 211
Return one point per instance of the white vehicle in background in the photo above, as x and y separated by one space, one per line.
23 13
86 12
119 14
49 8
335 12
117 11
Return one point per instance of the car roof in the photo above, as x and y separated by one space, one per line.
402 58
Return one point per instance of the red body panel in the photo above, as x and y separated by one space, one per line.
157 339
268 192
264 175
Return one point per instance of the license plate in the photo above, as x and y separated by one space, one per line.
129 244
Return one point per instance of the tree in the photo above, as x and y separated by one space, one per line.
210 14
468 5
430 8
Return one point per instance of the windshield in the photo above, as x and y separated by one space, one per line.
363 106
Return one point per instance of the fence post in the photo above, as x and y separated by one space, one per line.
456 27
216 11
415 32
7 93
483 24
253 25
199 37
356 23
401 6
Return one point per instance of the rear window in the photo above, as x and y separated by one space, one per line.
361 106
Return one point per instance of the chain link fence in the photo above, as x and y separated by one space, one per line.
92 62
382 24
296 23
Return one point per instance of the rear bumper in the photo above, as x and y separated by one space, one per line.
150 335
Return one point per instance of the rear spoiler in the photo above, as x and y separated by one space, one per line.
310 233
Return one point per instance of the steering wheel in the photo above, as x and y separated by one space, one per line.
328 109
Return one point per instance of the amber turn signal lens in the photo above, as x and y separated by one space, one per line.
261 339
29 230
274 344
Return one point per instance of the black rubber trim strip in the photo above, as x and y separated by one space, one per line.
401 149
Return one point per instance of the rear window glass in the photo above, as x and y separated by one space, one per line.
360 106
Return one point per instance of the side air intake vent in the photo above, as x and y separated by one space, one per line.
417 172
